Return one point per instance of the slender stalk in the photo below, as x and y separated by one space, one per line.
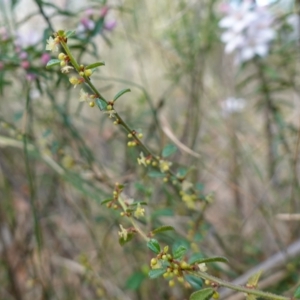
33 202
133 222
121 122
238 288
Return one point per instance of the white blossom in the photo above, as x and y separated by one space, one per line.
84 96
232 105
248 31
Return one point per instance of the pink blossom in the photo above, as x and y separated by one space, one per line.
87 23
25 64
30 76
110 25
4 35
1 65
45 58
23 55
26 38
89 12
104 11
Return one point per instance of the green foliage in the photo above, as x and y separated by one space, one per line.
123 241
195 282
155 273
297 293
121 93
179 252
169 150
52 62
153 245
101 103
203 294
135 280
60 159
208 260
95 65
162 229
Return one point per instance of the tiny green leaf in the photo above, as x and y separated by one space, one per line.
162 229
195 282
297 293
203 294
156 273
95 65
69 33
179 252
135 280
195 258
153 245
52 62
101 103
253 280
169 150
122 241
106 201
182 172
209 260
121 93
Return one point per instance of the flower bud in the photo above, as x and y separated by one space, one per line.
61 56
88 72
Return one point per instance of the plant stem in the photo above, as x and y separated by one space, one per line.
118 117
238 288
138 229
33 200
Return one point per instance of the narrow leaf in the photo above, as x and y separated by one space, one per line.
203 294
179 252
122 241
135 281
121 93
153 245
106 201
253 280
169 150
101 103
95 65
52 62
209 260
156 273
297 293
195 282
69 33
162 229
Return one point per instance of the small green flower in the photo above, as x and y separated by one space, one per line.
84 96
164 165
139 212
52 44
142 160
123 233
202 267
75 81
66 69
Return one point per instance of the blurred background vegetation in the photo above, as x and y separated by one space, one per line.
235 127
